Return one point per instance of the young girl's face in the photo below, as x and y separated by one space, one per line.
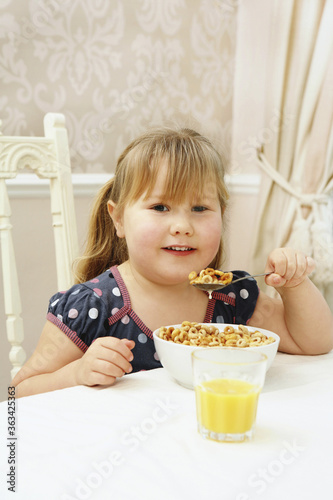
167 240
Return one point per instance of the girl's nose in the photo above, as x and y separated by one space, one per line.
181 225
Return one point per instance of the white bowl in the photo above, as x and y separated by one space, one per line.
176 358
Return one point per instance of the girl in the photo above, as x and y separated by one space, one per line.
157 220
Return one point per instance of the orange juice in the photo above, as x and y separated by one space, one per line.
227 406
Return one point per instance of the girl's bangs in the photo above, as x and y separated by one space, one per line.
187 178
192 169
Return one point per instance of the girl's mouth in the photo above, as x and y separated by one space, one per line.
179 250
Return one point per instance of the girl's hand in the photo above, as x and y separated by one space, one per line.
105 360
289 267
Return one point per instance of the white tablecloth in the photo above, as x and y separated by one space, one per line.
138 440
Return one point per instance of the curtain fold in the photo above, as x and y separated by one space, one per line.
295 207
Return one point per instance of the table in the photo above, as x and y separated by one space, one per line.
138 440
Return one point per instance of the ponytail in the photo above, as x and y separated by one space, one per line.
103 247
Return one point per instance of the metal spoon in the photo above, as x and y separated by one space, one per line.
211 287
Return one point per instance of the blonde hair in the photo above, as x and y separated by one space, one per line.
192 162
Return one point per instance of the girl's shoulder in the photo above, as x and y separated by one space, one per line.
91 305
104 288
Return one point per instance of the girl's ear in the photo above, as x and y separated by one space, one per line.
116 218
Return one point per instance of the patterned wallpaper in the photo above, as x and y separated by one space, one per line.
116 67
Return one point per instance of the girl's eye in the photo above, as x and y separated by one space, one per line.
199 208
160 208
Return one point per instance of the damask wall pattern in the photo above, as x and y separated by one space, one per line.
115 68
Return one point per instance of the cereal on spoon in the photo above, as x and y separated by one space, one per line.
210 276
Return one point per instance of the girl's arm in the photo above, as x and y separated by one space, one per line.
58 363
301 317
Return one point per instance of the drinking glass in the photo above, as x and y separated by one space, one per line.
227 383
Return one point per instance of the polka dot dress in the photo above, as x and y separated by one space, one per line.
102 308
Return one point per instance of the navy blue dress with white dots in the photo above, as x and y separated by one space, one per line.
101 307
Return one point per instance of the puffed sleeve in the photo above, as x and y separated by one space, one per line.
236 302
246 294
80 313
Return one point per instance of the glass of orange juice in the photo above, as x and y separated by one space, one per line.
227 383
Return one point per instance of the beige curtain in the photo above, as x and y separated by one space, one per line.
295 206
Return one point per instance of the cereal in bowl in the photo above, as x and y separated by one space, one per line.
196 334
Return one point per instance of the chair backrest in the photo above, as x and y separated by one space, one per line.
48 157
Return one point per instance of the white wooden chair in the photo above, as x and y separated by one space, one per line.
48 157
